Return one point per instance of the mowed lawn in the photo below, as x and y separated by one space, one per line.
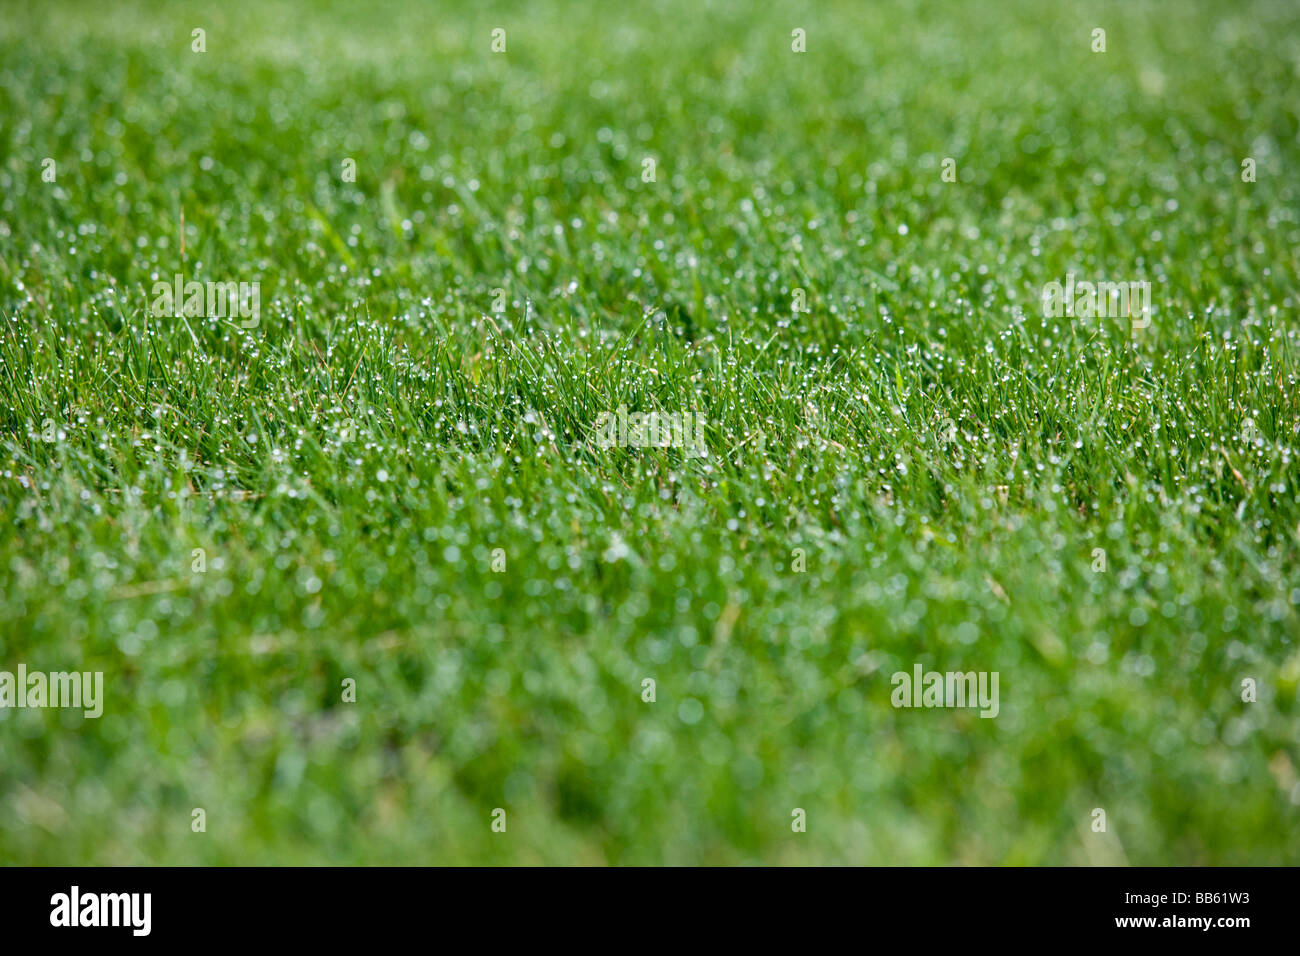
389 486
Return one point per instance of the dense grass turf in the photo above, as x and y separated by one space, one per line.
349 465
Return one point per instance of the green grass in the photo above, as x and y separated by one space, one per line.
349 465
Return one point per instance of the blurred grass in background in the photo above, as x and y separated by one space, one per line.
349 465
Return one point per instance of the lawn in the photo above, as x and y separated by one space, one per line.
370 563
